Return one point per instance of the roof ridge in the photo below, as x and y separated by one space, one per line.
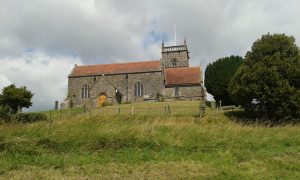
117 68
119 63
182 67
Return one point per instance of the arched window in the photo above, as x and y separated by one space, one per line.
174 63
85 93
138 89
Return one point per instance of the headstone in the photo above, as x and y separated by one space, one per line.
213 104
56 105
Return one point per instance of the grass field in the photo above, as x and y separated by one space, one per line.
149 147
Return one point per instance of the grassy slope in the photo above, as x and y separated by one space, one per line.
148 146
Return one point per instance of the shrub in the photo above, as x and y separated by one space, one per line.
104 104
267 84
159 97
4 113
29 117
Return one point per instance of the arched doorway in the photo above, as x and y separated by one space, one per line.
118 96
102 99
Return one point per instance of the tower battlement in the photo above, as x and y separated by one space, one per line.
174 48
175 56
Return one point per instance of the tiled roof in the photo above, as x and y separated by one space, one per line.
183 76
117 68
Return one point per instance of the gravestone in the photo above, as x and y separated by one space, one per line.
56 105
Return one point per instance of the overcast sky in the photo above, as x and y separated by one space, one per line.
41 40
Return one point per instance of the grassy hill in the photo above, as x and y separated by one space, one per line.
153 146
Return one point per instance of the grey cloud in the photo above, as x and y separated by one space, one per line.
46 80
110 30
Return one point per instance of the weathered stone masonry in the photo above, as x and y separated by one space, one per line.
170 76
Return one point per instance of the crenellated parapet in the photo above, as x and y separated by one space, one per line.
175 56
174 48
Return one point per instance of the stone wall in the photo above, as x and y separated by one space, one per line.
180 56
152 84
185 92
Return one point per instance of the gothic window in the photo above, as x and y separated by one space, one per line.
138 89
85 93
174 63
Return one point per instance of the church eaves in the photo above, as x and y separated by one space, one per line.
117 68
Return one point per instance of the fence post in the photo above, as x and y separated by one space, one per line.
200 111
69 112
50 121
132 110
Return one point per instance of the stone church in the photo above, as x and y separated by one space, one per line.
170 78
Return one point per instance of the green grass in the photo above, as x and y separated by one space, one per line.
150 147
63 113
175 108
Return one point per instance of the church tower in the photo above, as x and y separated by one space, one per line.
175 56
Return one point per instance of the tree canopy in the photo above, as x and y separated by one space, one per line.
15 98
267 85
218 75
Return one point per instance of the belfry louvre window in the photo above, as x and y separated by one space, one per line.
138 89
85 93
174 63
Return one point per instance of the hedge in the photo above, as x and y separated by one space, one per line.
29 117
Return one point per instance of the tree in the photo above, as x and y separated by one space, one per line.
4 112
267 85
218 75
15 98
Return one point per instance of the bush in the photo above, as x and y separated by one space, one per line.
104 104
4 113
159 97
29 117
267 84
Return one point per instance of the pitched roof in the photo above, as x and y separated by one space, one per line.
183 76
117 68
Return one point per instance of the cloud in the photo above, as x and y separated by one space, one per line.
112 30
59 33
4 81
43 75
